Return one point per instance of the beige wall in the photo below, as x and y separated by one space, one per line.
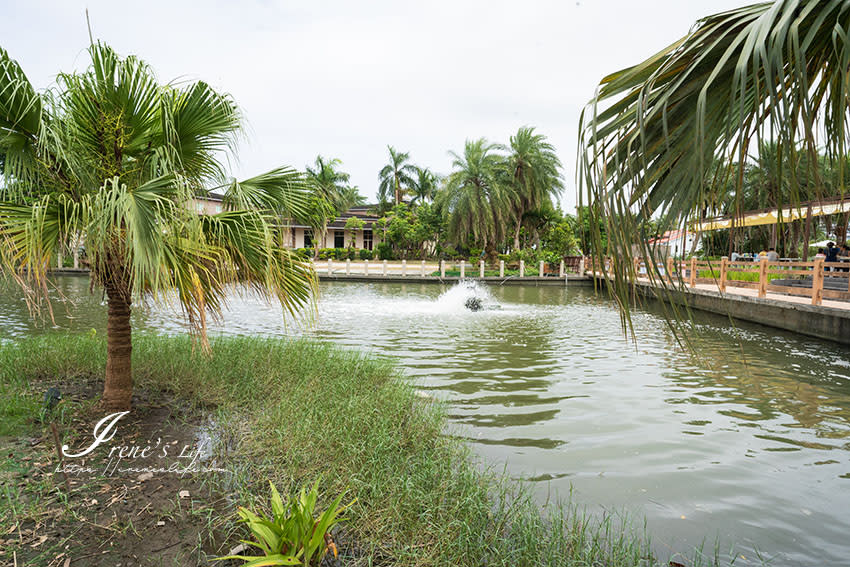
329 240
206 207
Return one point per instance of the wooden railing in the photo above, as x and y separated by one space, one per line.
817 279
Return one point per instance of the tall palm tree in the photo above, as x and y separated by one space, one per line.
117 158
396 177
424 187
533 169
772 71
331 196
475 200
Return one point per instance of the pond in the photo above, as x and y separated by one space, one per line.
746 444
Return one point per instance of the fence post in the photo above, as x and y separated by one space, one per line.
670 269
384 268
763 277
422 269
404 267
330 267
348 266
480 268
540 272
693 274
462 269
581 266
562 271
817 282
522 268
724 261
442 268
501 268
366 267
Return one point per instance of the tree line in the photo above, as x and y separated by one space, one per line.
498 199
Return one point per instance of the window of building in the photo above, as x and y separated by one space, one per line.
367 239
339 239
308 238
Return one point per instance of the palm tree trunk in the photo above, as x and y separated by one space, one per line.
118 387
516 235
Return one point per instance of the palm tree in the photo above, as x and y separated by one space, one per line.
474 201
396 177
534 177
117 158
424 187
331 196
772 71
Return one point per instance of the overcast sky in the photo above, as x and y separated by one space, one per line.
344 79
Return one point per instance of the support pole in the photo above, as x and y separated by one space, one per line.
501 268
817 282
522 268
724 261
763 277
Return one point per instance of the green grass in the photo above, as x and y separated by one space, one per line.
299 410
740 276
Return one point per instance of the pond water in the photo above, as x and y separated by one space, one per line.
746 445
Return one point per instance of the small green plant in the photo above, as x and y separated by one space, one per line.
293 535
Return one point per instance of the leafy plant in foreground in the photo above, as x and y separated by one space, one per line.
293 535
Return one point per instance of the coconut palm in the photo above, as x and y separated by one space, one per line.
475 200
117 158
424 187
331 196
651 137
533 170
396 177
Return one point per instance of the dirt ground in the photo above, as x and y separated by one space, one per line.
131 511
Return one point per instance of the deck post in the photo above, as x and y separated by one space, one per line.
693 274
481 269
540 272
724 262
330 266
763 277
562 271
348 266
522 268
670 269
462 269
365 267
501 268
403 268
422 269
817 282
442 268
581 266
384 270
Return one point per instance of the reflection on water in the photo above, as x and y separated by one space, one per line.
748 443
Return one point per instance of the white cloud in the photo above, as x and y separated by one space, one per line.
345 79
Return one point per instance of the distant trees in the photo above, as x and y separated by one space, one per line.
330 196
397 177
533 175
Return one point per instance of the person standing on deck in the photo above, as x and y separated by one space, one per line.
772 256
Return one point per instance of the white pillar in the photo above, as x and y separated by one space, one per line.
522 268
581 266
348 266
501 268
422 269
330 266
540 273
562 272
462 269
385 268
442 268
365 267
404 267
480 268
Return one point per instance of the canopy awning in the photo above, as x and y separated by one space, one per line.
772 216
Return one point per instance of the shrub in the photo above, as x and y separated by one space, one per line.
340 253
385 251
366 254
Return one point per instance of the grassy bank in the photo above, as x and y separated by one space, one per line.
293 411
